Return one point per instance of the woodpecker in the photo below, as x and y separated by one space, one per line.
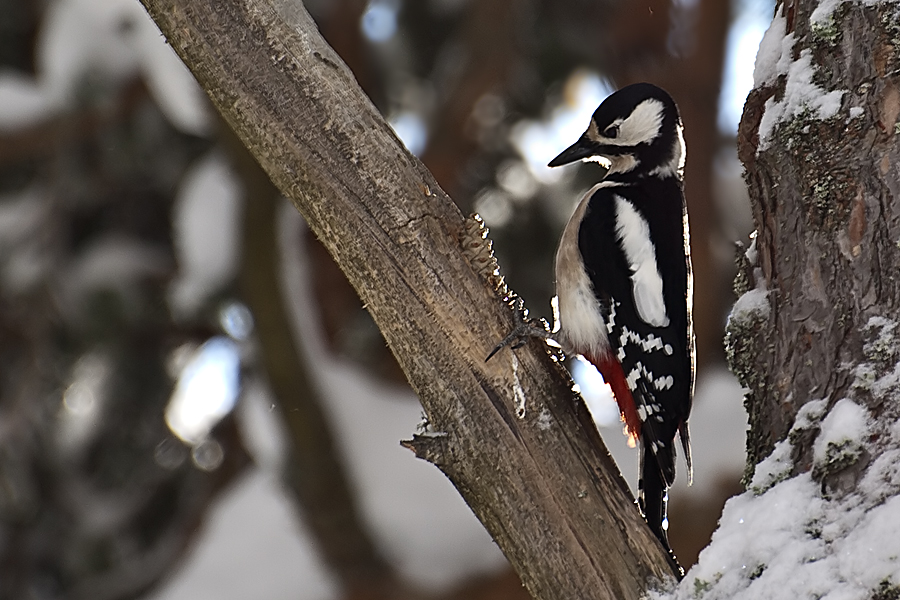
624 283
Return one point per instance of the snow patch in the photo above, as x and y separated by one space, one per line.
880 374
801 96
887 385
761 548
752 305
823 12
785 538
882 478
774 52
844 428
810 414
790 542
774 469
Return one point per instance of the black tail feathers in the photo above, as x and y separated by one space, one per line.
685 435
657 474
652 489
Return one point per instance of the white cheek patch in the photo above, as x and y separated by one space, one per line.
646 283
642 125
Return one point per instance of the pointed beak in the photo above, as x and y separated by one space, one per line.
581 149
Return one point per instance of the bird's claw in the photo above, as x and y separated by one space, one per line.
522 332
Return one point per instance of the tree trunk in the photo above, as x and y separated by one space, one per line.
825 190
814 334
511 435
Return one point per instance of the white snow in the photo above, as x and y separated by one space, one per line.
785 538
881 373
774 51
790 543
846 425
823 11
801 95
883 476
765 532
810 414
774 469
752 304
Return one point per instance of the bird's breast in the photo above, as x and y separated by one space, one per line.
582 328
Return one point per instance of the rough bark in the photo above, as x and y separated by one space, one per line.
510 434
826 200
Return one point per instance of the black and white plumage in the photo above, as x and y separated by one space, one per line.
623 277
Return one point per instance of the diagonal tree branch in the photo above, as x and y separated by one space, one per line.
511 435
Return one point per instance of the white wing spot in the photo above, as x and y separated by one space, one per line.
611 321
632 378
649 344
664 383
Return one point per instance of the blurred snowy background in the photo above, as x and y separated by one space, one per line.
193 402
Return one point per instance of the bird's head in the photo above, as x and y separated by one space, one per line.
635 132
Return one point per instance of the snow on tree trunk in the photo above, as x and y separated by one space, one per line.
814 334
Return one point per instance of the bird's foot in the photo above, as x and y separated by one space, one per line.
524 330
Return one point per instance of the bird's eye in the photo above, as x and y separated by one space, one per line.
611 132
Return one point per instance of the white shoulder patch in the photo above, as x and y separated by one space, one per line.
646 282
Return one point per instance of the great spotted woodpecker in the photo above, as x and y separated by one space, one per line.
623 279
